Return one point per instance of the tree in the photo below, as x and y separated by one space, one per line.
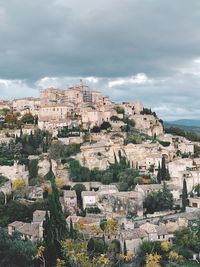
164 171
184 195
79 188
50 254
125 249
119 110
158 201
197 190
33 168
55 228
28 118
105 125
11 118
17 186
186 238
159 178
165 198
95 129
15 252
152 260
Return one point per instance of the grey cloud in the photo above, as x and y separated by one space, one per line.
111 40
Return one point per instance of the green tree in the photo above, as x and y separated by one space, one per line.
159 178
79 188
33 168
125 249
28 118
56 223
105 125
184 195
15 252
186 238
119 110
164 171
197 190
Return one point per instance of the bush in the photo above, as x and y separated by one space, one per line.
3 180
28 118
105 125
119 110
33 168
94 210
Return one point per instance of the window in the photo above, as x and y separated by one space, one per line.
194 205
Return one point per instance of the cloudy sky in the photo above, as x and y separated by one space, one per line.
146 50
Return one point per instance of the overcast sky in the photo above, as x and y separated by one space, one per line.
146 50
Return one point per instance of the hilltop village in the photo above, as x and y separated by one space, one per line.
129 190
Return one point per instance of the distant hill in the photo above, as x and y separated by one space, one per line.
185 124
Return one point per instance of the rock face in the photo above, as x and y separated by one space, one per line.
99 154
14 172
148 124
43 166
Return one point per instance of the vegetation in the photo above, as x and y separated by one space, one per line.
3 180
58 150
19 211
190 135
68 132
184 196
118 172
159 200
163 173
119 110
15 252
55 229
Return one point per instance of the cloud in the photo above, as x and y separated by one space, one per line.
130 50
140 78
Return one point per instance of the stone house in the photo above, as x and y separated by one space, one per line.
133 238
122 203
70 202
32 231
155 232
26 104
89 199
194 202
149 232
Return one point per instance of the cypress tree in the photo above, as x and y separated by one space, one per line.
50 249
163 169
125 249
55 229
57 216
21 132
184 195
71 229
159 178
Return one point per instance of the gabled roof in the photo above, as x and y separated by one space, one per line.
133 234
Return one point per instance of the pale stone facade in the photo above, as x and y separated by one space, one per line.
89 199
27 104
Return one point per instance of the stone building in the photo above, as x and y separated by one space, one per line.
89 199
32 231
123 203
70 202
26 104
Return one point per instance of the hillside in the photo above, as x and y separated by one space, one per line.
187 125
